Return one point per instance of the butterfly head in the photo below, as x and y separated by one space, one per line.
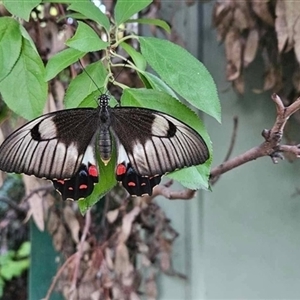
103 100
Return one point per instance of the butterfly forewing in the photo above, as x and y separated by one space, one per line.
157 143
51 146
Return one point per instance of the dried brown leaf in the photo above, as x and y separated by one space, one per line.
59 92
222 18
251 47
50 105
36 209
85 290
85 246
97 258
59 238
112 215
134 296
109 258
122 262
270 79
262 10
287 15
145 261
165 261
292 14
221 8
239 84
127 223
52 222
233 50
72 222
151 288
296 80
297 38
96 295
143 248
118 293
240 19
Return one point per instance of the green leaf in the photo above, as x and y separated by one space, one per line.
91 11
24 89
183 73
26 35
194 177
85 39
156 83
60 61
137 57
14 268
11 43
6 258
125 9
24 250
107 181
2 283
82 86
21 8
159 23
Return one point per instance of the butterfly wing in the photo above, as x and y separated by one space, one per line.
134 183
81 184
155 142
51 146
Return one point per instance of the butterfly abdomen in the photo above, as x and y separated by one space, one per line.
105 145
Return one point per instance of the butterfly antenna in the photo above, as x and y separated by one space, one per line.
115 78
83 68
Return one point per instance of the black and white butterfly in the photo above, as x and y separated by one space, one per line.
60 146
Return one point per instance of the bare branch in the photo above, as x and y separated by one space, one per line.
165 191
271 146
231 146
57 275
80 247
239 160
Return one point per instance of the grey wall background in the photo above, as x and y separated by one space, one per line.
241 241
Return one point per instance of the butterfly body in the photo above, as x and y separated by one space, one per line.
61 146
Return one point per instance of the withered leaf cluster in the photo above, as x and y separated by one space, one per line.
121 255
267 31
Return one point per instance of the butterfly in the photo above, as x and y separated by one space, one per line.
61 146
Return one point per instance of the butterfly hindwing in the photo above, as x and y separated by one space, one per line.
81 184
134 183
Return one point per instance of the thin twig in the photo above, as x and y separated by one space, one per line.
88 220
57 275
233 138
165 191
13 205
231 146
45 188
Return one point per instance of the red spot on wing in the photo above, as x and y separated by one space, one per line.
60 181
131 183
83 187
121 169
93 171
